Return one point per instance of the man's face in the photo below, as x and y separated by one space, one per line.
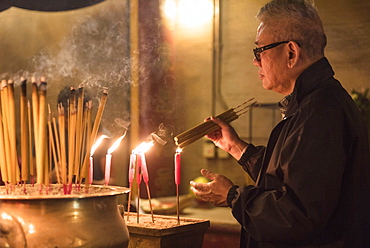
272 69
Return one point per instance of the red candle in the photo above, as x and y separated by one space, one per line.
178 166
138 170
131 168
144 168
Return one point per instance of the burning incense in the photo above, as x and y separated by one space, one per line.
52 144
35 118
177 180
62 137
4 109
88 125
24 131
188 137
35 108
79 131
3 164
87 141
39 131
32 165
96 125
55 134
41 147
15 174
71 134
99 115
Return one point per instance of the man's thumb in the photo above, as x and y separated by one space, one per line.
208 174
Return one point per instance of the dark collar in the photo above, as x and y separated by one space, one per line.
308 81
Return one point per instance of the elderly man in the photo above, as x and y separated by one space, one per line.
312 178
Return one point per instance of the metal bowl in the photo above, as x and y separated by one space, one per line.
30 219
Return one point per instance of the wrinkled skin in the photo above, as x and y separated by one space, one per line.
215 191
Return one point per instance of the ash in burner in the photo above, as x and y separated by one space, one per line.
30 191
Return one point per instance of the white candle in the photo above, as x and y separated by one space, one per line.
131 169
108 158
91 170
108 162
92 151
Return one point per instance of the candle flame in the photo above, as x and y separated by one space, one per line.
97 143
178 150
143 147
116 144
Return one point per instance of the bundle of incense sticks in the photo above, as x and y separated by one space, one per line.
188 137
43 139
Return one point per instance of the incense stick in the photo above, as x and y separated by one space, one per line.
4 109
3 164
53 152
57 147
24 131
71 134
39 131
32 164
35 118
89 144
188 137
96 125
42 125
12 134
79 131
62 137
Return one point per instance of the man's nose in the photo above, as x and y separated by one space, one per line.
256 62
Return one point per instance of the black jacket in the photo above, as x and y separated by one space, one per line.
313 188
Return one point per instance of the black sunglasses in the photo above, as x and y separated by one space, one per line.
257 51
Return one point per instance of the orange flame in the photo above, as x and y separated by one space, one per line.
115 144
143 147
97 143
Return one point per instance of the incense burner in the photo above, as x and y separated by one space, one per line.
55 220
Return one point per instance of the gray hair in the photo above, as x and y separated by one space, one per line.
295 20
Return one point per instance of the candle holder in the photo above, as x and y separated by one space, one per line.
165 232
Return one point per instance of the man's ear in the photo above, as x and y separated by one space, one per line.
294 54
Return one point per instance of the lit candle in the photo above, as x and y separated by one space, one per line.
142 171
108 162
144 168
178 166
92 151
138 171
131 171
108 158
177 159
91 170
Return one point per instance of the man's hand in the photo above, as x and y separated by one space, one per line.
215 191
226 138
